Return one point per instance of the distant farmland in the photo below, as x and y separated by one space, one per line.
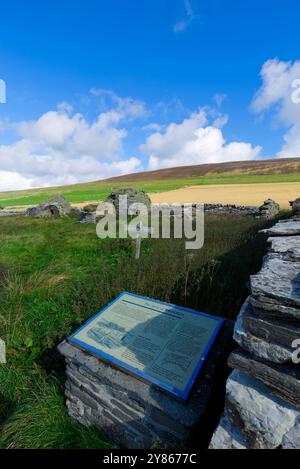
277 176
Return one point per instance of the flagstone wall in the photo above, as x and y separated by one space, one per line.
262 407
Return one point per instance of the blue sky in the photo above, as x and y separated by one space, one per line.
144 84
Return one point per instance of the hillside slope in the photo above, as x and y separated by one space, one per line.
276 171
265 167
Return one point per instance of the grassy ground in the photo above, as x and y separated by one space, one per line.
95 191
56 274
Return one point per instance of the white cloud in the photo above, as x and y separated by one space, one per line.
184 23
149 127
10 180
62 147
276 94
125 107
194 141
219 98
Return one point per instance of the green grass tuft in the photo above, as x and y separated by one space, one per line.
55 274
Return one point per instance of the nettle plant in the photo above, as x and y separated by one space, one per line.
2 92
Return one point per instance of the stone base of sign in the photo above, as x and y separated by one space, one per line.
136 414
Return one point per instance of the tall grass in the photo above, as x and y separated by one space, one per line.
57 274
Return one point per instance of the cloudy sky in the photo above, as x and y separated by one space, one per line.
98 88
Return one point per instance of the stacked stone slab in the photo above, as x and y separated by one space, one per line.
136 414
262 407
269 209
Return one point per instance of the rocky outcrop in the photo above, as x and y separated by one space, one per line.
269 209
54 208
295 206
133 196
263 393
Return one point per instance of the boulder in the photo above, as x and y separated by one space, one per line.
269 209
296 206
133 196
54 208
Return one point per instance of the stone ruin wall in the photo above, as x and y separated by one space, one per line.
262 409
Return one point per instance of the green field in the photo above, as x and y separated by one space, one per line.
54 274
96 191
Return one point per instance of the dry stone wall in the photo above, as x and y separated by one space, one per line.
263 393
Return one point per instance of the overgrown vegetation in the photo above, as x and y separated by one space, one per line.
57 273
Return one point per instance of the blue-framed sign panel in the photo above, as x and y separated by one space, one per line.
158 342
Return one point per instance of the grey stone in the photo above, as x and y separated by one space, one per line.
291 440
286 228
219 209
54 208
88 218
283 381
133 196
256 346
263 393
114 400
279 280
269 209
264 420
99 402
288 245
274 310
227 435
295 206
271 330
